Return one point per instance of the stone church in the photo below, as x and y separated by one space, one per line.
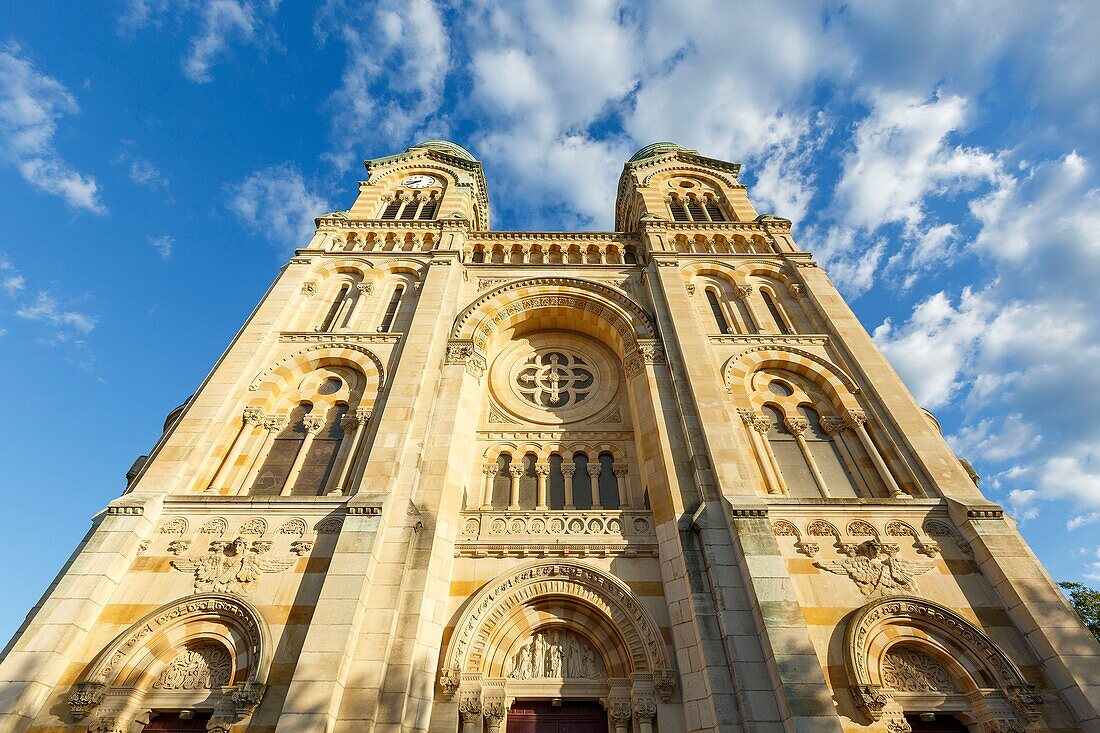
448 479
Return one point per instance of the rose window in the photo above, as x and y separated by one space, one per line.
555 379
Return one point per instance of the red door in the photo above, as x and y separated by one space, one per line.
172 723
569 717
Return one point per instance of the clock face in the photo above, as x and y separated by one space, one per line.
418 181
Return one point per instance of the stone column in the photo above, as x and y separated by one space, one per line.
594 481
469 709
620 481
856 421
542 470
645 709
567 470
273 426
314 424
798 426
515 471
353 426
835 428
489 471
253 418
743 292
619 709
758 425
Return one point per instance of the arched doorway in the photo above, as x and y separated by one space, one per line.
932 723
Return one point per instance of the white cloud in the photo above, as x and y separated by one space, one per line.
47 309
1024 504
144 173
11 282
398 57
140 13
1082 520
31 105
222 21
162 245
277 204
902 156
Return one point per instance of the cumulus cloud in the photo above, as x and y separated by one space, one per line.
277 204
398 57
31 106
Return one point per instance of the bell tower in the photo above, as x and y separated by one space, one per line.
435 179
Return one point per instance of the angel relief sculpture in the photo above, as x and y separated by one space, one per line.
231 567
556 655
875 567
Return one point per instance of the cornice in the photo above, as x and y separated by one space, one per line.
530 236
311 337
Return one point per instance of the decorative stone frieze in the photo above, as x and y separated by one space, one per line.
235 567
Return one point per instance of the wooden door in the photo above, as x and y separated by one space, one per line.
569 717
171 723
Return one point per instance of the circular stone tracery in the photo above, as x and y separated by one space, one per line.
554 378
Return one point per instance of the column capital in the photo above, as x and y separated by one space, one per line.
365 288
490 469
594 471
620 471
253 416
515 471
755 420
314 423
542 469
363 413
797 425
833 425
743 291
349 423
276 423
568 470
855 418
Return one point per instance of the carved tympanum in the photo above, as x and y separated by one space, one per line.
909 670
203 668
556 654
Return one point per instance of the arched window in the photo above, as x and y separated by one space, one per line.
777 315
409 212
334 309
714 211
716 309
695 209
478 257
280 459
502 482
391 310
679 213
394 206
792 464
630 257
826 456
582 483
318 463
607 483
528 483
556 484
427 211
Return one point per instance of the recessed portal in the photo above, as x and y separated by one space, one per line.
173 723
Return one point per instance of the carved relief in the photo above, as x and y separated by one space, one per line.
909 670
294 526
556 654
216 526
329 525
176 525
231 567
255 527
555 379
203 668
875 568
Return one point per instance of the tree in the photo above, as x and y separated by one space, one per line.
1086 601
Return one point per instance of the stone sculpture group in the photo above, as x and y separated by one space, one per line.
556 655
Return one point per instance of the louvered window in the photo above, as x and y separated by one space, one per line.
390 212
427 211
679 213
714 210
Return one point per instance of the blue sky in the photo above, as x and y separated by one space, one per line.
159 161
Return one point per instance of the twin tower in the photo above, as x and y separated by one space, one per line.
448 479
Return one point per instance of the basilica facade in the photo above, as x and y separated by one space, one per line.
448 479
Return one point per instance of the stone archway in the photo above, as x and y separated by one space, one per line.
542 603
905 654
161 659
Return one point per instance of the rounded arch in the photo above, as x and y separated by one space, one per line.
353 265
972 659
492 612
840 387
601 311
284 375
134 659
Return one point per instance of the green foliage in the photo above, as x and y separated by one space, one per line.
1086 601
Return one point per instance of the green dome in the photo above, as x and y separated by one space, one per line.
446 146
657 149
